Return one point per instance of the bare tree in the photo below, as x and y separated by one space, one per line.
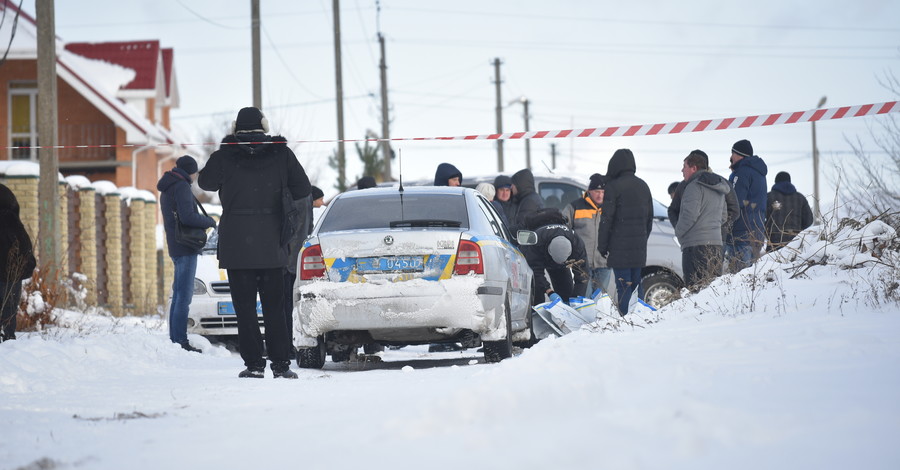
873 184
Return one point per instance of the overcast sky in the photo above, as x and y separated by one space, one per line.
580 63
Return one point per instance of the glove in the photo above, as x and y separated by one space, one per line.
554 296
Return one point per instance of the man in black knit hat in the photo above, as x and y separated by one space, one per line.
251 171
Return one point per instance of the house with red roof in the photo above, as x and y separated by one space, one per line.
114 104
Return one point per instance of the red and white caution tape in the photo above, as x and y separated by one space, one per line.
704 125
691 126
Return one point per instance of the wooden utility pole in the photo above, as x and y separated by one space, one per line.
385 116
257 61
553 156
527 141
47 113
499 115
342 162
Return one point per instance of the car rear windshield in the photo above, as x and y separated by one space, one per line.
387 211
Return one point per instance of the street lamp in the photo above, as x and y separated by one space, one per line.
815 155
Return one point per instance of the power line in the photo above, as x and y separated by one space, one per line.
205 19
286 66
507 14
613 50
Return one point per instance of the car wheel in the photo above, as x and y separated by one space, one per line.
312 358
533 339
660 288
496 351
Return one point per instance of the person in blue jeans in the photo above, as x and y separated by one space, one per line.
175 197
625 226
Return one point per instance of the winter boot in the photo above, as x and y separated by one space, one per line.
252 373
187 347
282 369
284 374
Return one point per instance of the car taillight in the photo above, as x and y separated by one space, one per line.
468 258
312 265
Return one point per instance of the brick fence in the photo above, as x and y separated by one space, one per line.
107 238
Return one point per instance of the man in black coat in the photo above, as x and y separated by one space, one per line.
251 170
787 212
560 252
17 261
526 200
625 226
176 198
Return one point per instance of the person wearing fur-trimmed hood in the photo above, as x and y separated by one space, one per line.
251 170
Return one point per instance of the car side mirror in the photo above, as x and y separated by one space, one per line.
526 237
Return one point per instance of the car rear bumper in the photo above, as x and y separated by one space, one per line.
441 308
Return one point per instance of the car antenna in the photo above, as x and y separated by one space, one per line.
548 167
400 175
400 161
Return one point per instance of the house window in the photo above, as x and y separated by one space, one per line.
23 120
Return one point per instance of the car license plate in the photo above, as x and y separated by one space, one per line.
227 308
390 264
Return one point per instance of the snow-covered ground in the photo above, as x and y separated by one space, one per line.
759 371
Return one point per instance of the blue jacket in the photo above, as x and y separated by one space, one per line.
175 196
748 177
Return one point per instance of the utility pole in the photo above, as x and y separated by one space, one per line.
385 116
342 162
527 141
257 62
47 113
499 115
815 154
553 156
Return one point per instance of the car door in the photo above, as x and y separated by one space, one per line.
516 265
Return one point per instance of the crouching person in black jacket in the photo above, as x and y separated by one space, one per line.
251 171
559 252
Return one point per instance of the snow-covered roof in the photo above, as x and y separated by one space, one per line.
90 78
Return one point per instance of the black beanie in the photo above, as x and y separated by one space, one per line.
783 176
598 181
742 148
250 120
316 193
366 182
187 163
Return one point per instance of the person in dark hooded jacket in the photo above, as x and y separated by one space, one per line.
560 252
447 175
251 171
625 226
748 177
526 200
17 261
787 212
175 198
